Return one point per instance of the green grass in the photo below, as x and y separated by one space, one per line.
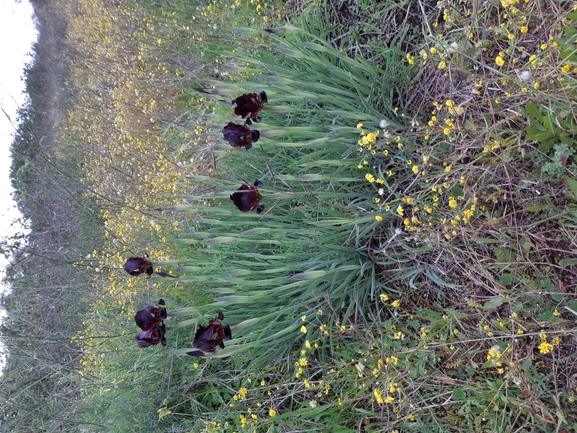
410 280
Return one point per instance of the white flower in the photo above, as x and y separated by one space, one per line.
383 124
453 47
523 75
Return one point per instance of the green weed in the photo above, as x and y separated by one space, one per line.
412 265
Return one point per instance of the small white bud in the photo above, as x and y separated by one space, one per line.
523 75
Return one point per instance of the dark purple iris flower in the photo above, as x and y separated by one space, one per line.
249 105
240 135
150 316
207 338
247 198
150 320
152 337
138 265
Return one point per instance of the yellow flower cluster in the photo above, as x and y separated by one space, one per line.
439 207
123 93
545 346
368 141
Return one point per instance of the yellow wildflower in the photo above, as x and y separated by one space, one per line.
378 396
545 347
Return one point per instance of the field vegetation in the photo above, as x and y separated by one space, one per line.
413 268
